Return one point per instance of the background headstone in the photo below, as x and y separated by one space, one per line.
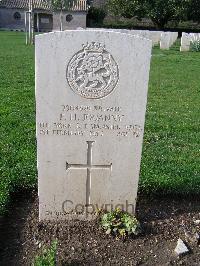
165 41
154 36
185 42
174 36
91 94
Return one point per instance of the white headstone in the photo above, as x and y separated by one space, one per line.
185 42
154 36
194 37
165 41
91 94
174 36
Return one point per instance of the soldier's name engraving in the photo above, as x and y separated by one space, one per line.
91 121
86 113
92 117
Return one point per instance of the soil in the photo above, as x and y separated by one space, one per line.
164 220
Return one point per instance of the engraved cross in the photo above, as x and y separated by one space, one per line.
89 166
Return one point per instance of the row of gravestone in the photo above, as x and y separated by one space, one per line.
164 39
187 39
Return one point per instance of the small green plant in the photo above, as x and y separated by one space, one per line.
48 257
120 223
195 45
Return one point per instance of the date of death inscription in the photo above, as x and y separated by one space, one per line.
94 121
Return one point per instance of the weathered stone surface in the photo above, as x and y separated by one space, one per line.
91 93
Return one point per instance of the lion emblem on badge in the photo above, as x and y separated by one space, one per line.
92 72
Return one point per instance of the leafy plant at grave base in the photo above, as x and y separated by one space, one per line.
120 223
48 257
195 46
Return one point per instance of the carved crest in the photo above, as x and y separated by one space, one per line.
92 72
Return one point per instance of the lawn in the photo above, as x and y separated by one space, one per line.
17 109
171 151
170 160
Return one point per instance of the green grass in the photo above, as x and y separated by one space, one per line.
17 115
170 160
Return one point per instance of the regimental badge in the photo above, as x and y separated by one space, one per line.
92 72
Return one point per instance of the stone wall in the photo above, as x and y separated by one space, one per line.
12 18
71 20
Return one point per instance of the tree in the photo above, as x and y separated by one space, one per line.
62 5
95 16
126 8
161 12
193 12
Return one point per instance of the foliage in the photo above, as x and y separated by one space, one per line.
120 223
193 11
48 257
119 23
126 8
96 15
161 12
195 45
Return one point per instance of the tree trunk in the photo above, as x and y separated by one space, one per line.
61 20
